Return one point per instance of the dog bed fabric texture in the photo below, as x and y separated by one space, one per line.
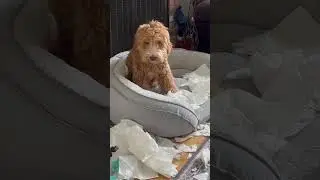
159 114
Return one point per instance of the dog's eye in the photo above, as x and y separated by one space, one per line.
160 44
146 43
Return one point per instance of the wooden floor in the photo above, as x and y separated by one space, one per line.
183 160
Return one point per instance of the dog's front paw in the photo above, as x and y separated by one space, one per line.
174 90
169 90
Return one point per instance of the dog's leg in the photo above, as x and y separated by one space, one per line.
138 77
167 83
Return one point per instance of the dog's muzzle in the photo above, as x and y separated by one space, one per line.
154 59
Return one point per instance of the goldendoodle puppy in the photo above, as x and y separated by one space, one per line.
147 61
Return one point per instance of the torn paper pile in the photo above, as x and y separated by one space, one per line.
198 87
205 157
139 156
202 176
142 156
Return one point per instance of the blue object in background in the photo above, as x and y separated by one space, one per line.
181 20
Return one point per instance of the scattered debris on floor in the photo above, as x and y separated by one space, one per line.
164 142
202 130
205 157
185 148
202 176
137 154
198 87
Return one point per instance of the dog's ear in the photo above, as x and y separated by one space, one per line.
141 30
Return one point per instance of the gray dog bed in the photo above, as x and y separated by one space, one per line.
158 114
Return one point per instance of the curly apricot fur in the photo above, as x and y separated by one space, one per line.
147 61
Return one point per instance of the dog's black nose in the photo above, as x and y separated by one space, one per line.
153 58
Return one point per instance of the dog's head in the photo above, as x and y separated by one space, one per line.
152 42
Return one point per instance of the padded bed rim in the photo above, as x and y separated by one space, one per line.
145 104
185 119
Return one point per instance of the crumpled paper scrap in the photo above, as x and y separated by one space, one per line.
198 83
187 149
131 167
205 157
139 149
202 176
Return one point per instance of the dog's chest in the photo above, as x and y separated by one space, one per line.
153 81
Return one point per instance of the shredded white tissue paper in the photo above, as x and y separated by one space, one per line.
185 148
202 130
189 156
142 156
198 83
131 167
162 163
199 80
118 135
141 144
164 142
194 169
205 156
139 153
202 176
